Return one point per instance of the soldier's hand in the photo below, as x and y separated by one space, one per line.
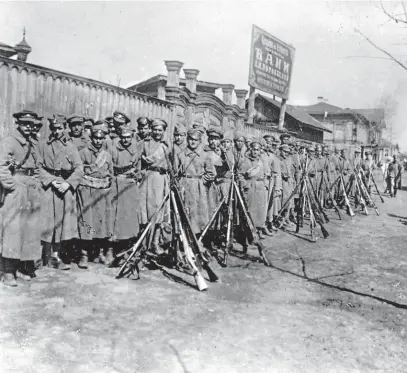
55 184
8 184
63 187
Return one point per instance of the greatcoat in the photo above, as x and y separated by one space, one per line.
254 185
95 218
125 201
287 180
20 214
59 160
197 172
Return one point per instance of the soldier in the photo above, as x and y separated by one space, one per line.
196 171
143 128
368 166
274 184
180 134
253 182
318 169
227 141
125 201
19 202
61 170
94 199
35 130
394 172
344 169
285 139
154 185
287 182
239 149
76 131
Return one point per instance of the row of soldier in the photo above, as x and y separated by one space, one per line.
76 194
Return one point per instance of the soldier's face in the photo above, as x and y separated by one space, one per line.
213 142
179 138
76 129
255 149
24 128
192 142
158 133
126 139
97 141
226 144
35 128
284 140
144 131
57 131
239 143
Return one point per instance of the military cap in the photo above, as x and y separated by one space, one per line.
215 132
125 129
180 129
158 122
143 121
318 147
39 120
57 120
254 141
89 122
311 149
120 117
269 135
109 119
284 136
285 148
76 119
26 116
357 150
199 126
194 133
100 127
239 135
227 136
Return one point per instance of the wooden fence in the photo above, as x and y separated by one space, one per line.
47 91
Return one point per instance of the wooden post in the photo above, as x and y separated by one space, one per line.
250 108
282 114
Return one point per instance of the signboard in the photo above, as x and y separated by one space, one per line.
271 64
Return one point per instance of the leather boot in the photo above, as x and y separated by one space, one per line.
261 234
268 232
9 279
101 259
83 262
23 276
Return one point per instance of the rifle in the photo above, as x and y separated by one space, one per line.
135 248
347 202
252 228
377 189
229 229
368 198
195 245
333 200
314 208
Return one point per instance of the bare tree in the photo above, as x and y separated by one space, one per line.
397 17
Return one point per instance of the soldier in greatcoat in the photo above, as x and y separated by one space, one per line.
76 131
394 172
253 172
95 222
180 143
115 122
239 148
287 183
318 171
154 184
143 129
196 171
19 202
61 170
125 191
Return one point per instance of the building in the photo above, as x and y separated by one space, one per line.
296 121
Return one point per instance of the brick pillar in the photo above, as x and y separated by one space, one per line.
191 77
241 97
173 69
161 91
227 90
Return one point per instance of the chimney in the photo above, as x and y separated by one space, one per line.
227 90
191 77
173 69
241 97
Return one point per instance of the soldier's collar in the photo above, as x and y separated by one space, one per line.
19 137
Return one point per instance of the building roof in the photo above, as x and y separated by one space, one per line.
163 78
372 115
7 50
298 113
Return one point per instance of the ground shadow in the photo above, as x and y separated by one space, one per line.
397 216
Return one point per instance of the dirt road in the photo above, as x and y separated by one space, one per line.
337 305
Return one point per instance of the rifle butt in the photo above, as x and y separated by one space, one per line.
324 231
200 282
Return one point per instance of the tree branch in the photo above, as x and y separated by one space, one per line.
381 50
392 16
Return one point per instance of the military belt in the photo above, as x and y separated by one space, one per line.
59 173
161 170
121 170
26 171
192 176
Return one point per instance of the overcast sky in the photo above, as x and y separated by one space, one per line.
130 40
